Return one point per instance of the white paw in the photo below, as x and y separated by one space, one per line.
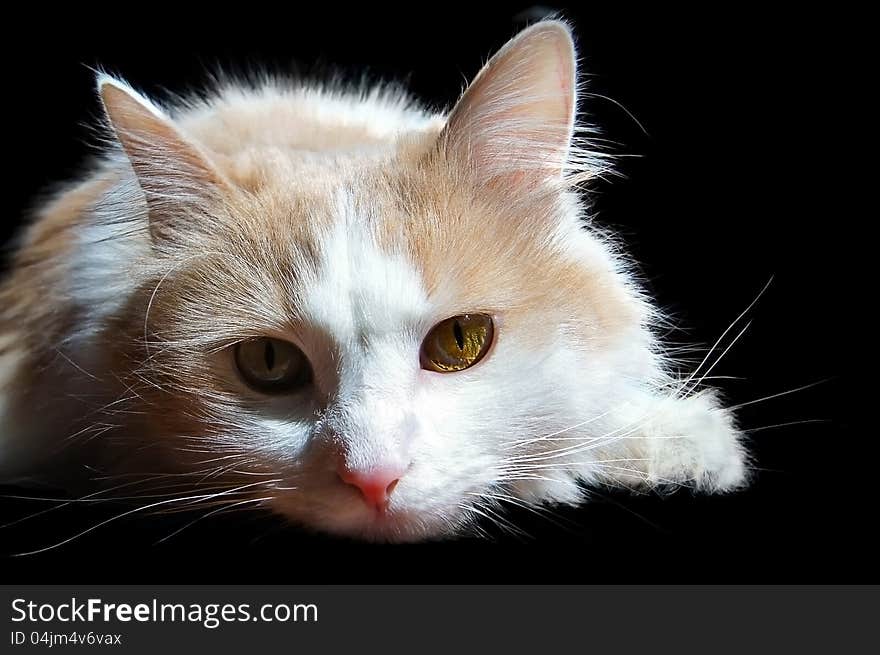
695 442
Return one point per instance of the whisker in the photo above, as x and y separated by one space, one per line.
209 514
724 334
777 395
787 424
519 444
128 513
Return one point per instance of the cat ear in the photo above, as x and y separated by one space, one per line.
177 179
516 119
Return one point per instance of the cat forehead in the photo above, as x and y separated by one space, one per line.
359 286
385 249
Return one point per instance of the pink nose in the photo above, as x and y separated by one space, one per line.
376 485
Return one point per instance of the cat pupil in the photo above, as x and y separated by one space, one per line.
459 336
269 356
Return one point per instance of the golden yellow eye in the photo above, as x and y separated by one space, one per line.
272 365
457 343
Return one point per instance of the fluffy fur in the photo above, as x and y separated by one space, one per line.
348 223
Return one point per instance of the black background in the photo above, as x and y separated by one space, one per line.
729 184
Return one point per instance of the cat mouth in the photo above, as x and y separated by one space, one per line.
336 508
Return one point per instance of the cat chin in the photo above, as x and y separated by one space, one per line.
391 527
398 528
354 520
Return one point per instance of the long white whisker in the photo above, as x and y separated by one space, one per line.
778 395
133 511
209 514
724 334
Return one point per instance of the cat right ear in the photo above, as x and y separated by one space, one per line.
515 121
177 178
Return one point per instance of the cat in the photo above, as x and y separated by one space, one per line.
377 321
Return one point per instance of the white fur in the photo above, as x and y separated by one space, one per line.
359 289
108 80
106 263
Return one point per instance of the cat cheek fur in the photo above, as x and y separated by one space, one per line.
351 223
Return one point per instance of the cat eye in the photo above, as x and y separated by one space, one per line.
457 343
271 365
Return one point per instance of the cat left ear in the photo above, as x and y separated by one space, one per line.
516 119
175 176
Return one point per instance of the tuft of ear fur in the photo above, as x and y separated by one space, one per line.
516 119
177 178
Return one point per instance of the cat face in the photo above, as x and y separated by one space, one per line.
368 438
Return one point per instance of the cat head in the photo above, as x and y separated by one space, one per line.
383 333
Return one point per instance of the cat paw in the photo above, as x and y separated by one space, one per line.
695 442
